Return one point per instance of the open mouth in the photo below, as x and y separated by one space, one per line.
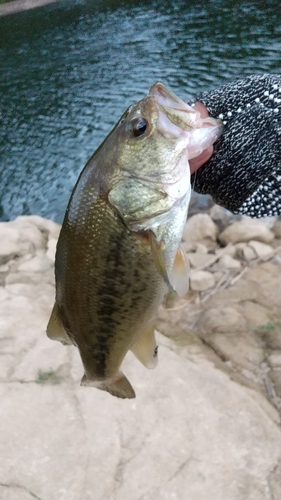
175 116
176 120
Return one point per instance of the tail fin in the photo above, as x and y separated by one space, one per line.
118 386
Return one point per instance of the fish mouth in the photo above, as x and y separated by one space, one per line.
175 117
179 120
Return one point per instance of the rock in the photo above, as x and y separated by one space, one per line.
277 228
200 259
200 248
188 399
274 359
227 262
8 250
242 290
3 296
30 278
199 227
51 249
239 247
4 268
255 314
220 214
221 320
264 272
22 235
218 275
191 246
246 230
245 352
44 225
228 250
263 251
37 264
224 412
201 280
248 253
269 221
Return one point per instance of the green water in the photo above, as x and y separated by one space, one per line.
68 71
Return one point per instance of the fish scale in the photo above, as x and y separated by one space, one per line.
106 266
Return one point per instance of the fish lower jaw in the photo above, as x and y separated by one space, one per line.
202 138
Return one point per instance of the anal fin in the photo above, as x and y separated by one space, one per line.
118 386
145 348
55 330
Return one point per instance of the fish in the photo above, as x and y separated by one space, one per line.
244 172
118 254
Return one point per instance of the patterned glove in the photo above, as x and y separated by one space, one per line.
244 172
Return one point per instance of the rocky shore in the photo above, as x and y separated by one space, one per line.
205 423
12 7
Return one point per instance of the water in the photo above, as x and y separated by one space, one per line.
68 71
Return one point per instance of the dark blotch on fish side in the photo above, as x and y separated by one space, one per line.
244 172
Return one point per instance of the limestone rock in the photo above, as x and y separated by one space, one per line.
200 227
227 262
245 352
222 319
239 247
30 278
200 259
274 359
255 314
200 248
277 228
242 290
218 275
51 249
23 235
4 268
228 250
37 264
220 214
246 230
201 280
63 441
44 225
248 253
262 250
8 250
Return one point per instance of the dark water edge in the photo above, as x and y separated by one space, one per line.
69 70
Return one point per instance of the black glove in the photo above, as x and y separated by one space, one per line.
244 172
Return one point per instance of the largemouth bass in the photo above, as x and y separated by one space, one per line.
118 254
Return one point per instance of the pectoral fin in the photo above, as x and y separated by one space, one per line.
179 277
158 257
55 330
118 386
145 348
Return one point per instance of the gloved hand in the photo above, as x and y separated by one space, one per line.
244 171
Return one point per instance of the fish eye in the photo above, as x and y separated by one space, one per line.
139 126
